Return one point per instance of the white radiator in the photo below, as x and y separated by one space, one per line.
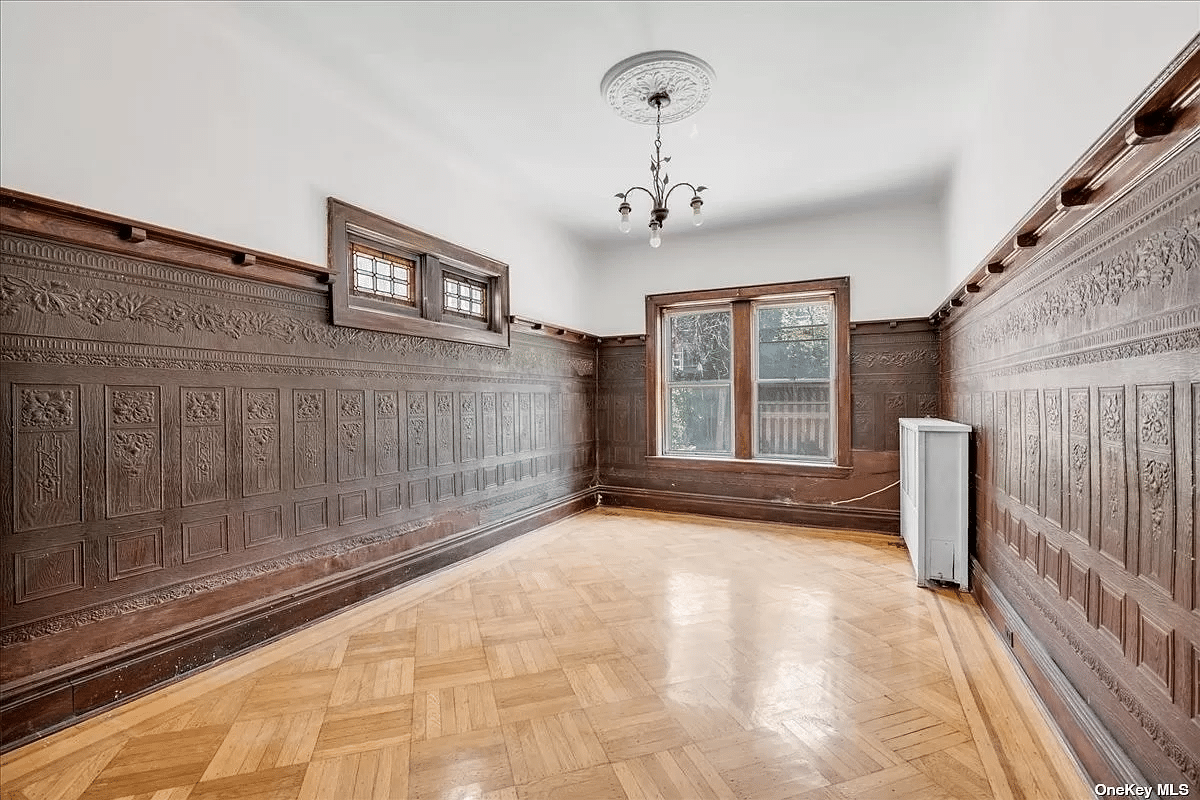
933 498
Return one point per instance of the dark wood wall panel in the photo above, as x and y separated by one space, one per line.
894 373
1079 374
181 446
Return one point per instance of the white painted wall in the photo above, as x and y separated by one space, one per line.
182 115
891 247
1060 74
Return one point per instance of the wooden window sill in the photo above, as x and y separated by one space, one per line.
752 466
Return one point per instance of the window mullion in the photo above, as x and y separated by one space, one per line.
431 288
743 390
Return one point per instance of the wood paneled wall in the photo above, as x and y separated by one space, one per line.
894 373
196 462
1081 377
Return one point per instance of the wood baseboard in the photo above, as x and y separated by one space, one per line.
54 700
1101 757
823 516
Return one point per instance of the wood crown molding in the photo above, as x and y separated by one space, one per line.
52 219
908 325
552 330
1162 120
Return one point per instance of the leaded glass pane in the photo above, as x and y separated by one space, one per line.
383 275
463 296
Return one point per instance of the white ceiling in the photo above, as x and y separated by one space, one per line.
813 103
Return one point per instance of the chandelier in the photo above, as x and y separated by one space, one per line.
659 86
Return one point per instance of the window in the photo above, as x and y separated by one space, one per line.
464 296
392 278
755 376
382 274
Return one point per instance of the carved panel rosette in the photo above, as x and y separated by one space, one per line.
308 437
539 421
1016 447
1054 462
524 423
571 412
554 437
418 429
260 442
619 427
508 424
1113 488
46 456
1191 516
1079 465
862 431
133 456
1156 478
387 432
202 444
1033 450
1001 469
468 422
985 437
487 408
895 406
443 424
351 435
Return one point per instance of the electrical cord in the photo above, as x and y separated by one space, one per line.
865 496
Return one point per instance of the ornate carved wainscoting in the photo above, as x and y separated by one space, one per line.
1081 376
893 374
196 462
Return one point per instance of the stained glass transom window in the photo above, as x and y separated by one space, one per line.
462 296
381 274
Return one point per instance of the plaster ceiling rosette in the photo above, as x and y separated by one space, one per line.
685 79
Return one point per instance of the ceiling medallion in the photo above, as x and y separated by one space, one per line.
628 86
657 87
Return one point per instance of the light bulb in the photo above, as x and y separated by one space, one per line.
655 236
697 217
624 224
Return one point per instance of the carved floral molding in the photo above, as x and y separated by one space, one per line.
98 306
1151 262
892 358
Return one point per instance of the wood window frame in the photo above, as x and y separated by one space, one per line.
433 257
740 299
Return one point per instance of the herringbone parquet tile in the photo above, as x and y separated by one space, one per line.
614 655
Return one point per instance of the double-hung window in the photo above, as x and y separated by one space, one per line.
757 376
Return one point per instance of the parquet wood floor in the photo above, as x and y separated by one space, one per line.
616 654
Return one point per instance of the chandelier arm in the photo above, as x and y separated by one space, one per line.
653 199
676 186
